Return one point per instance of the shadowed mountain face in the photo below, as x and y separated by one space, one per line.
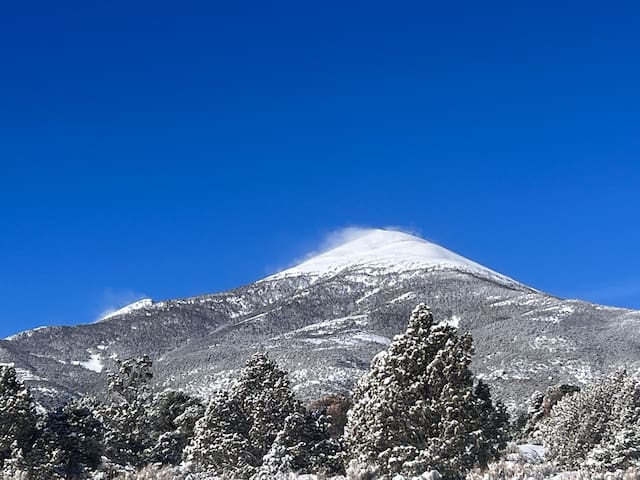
325 319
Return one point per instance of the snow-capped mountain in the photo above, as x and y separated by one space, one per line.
145 302
325 318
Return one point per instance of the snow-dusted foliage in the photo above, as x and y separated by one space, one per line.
68 445
335 407
132 380
17 418
142 427
258 427
173 417
598 427
125 417
527 425
303 445
417 408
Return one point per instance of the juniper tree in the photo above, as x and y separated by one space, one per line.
125 417
173 417
598 427
416 409
241 426
304 446
143 427
221 439
68 444
494 420
18 416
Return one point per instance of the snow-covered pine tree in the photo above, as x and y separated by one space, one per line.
142 427
220 443
304 446
526 427
598 427
69 444
266 396
18 416
240 426
128 427
494 420
416 409
132 380
173 417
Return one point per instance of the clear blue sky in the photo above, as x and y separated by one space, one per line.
168 149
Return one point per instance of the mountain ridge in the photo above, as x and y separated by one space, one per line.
324 326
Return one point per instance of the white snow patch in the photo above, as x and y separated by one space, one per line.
26 333
24 375
144 303
389 249
581 371
94 363
405 296
551 344
371 338
454 321
327 327
531 453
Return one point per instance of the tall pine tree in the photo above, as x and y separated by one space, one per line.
417 409
259 421
18 417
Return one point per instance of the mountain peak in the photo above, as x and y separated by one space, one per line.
388 249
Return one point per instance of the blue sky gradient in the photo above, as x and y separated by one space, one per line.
169 149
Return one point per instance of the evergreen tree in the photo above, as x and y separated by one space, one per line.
221 439
69 444
257 420
598 427
416 409
128 427
143 428
494 421
304 446
526 427
132 380
267 399
18 417
173 417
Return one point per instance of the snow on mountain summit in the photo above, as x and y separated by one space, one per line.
388 249
145 302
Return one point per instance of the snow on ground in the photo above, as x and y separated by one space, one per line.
27 333
551 344
453 321
144 303
531 453
389 249
25 375
405 296
581 371
94 363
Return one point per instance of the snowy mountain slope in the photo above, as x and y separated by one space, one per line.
325 319
143 303
387 250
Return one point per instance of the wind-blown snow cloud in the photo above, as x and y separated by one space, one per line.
340 236
114 299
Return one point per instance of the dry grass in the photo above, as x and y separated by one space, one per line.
545 471
503 470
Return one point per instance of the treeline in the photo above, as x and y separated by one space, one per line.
418 409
